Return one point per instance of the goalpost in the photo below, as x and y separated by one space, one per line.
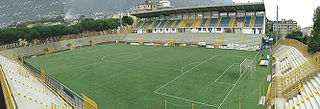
248 64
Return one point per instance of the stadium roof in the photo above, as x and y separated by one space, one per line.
248 7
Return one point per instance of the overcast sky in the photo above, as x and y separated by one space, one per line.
299 10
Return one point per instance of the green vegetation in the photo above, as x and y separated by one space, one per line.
119 76
298 35
314 45
11 35
313 41
41 20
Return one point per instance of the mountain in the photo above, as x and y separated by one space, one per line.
20 10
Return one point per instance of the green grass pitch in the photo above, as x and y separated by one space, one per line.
118 76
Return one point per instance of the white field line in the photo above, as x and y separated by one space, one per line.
102 59
185 99
182 69
224 83
185 72
224 72
235 84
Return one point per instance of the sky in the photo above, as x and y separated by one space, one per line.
299 10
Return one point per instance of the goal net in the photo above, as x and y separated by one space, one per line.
248 65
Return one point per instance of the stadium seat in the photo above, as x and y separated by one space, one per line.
139 24
170 23
247 21
178 22
204 22
225 22
156 24
240 19
213 22
163 22
259 21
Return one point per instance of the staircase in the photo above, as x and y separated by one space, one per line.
150 26
218 22
242 38
232 21
36 51
157 26
140 26
145 39
177 35
221 39
252 21
160 37
197 38
143 25
124 33
208 22
182 23
166 24
174 24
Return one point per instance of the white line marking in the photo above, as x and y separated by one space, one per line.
186 72
235 84
102 59
182 69
224 72
224 83
185 99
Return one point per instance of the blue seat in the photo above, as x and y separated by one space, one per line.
170 24
247 23
213 21
259 21
139 24
163 23
178 22
240 19
225 22
156 24
204 22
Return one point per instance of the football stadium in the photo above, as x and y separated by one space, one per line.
200 57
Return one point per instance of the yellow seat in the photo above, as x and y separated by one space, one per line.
30 97
18 92
311 95
24 95
298 103
315 91
35 100
307 98
302 100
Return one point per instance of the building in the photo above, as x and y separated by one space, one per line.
148 5
164 4
307 30
285 27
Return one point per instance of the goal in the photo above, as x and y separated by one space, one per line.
248 64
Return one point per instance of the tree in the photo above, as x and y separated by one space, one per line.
127 20
88 24
295 34
314 45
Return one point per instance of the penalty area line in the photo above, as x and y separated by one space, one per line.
185 72
186 99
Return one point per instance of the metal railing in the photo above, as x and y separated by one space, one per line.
10 104
67 94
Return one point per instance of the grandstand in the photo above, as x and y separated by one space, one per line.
123 76
235 23
296 80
